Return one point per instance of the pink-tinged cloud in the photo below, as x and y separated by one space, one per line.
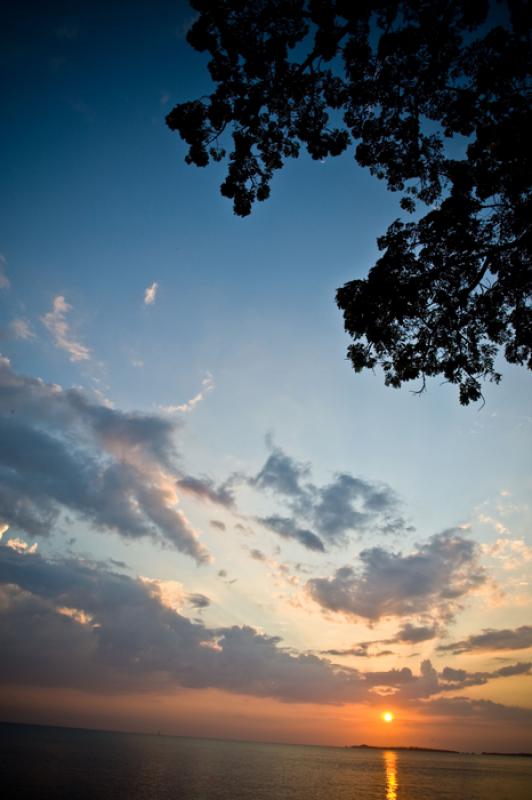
61 451
56 323
150 293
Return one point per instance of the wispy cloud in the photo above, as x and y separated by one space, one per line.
4 280
207 385
55 322
512 553
150 293
407 634
21 329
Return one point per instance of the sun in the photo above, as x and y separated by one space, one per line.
387 716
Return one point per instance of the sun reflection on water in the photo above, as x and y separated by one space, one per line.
390 765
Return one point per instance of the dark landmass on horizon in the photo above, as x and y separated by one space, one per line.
415 749
401 747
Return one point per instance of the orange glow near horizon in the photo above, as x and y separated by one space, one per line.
387 716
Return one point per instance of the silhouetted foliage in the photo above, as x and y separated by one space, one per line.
407 84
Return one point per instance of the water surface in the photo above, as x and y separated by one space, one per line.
44 763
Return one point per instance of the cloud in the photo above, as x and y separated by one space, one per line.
98 629
455 679
429 682
492 639
55 322
150 294
216 523
281 474
131 640
482 710
320 516
62 452
205 489
21 329
279 572
360 650
353 504
407 634
169 593
198 601
21 546
4 280
413 634
513 553
433 578
287 529
207 385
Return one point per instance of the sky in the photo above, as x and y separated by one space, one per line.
210 525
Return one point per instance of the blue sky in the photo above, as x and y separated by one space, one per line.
98 205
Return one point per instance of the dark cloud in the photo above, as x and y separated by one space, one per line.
352 504
407 634
430 682
282 475
76 624
454 679
360 650
413 634
482 710
287 528
320 516
433 578
492 639
205 489
215 523
62 452
96 629
257 555
198 600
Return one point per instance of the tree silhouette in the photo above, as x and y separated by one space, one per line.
433 96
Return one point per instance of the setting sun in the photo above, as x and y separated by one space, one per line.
387 716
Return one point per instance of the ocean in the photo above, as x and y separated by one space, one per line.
46 763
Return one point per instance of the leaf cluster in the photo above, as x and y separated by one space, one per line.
404 85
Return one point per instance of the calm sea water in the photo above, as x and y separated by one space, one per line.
55 763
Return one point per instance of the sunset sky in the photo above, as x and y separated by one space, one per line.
210 525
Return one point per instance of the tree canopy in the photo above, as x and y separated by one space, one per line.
433 96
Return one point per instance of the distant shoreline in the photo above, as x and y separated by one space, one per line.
402 747
413 748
